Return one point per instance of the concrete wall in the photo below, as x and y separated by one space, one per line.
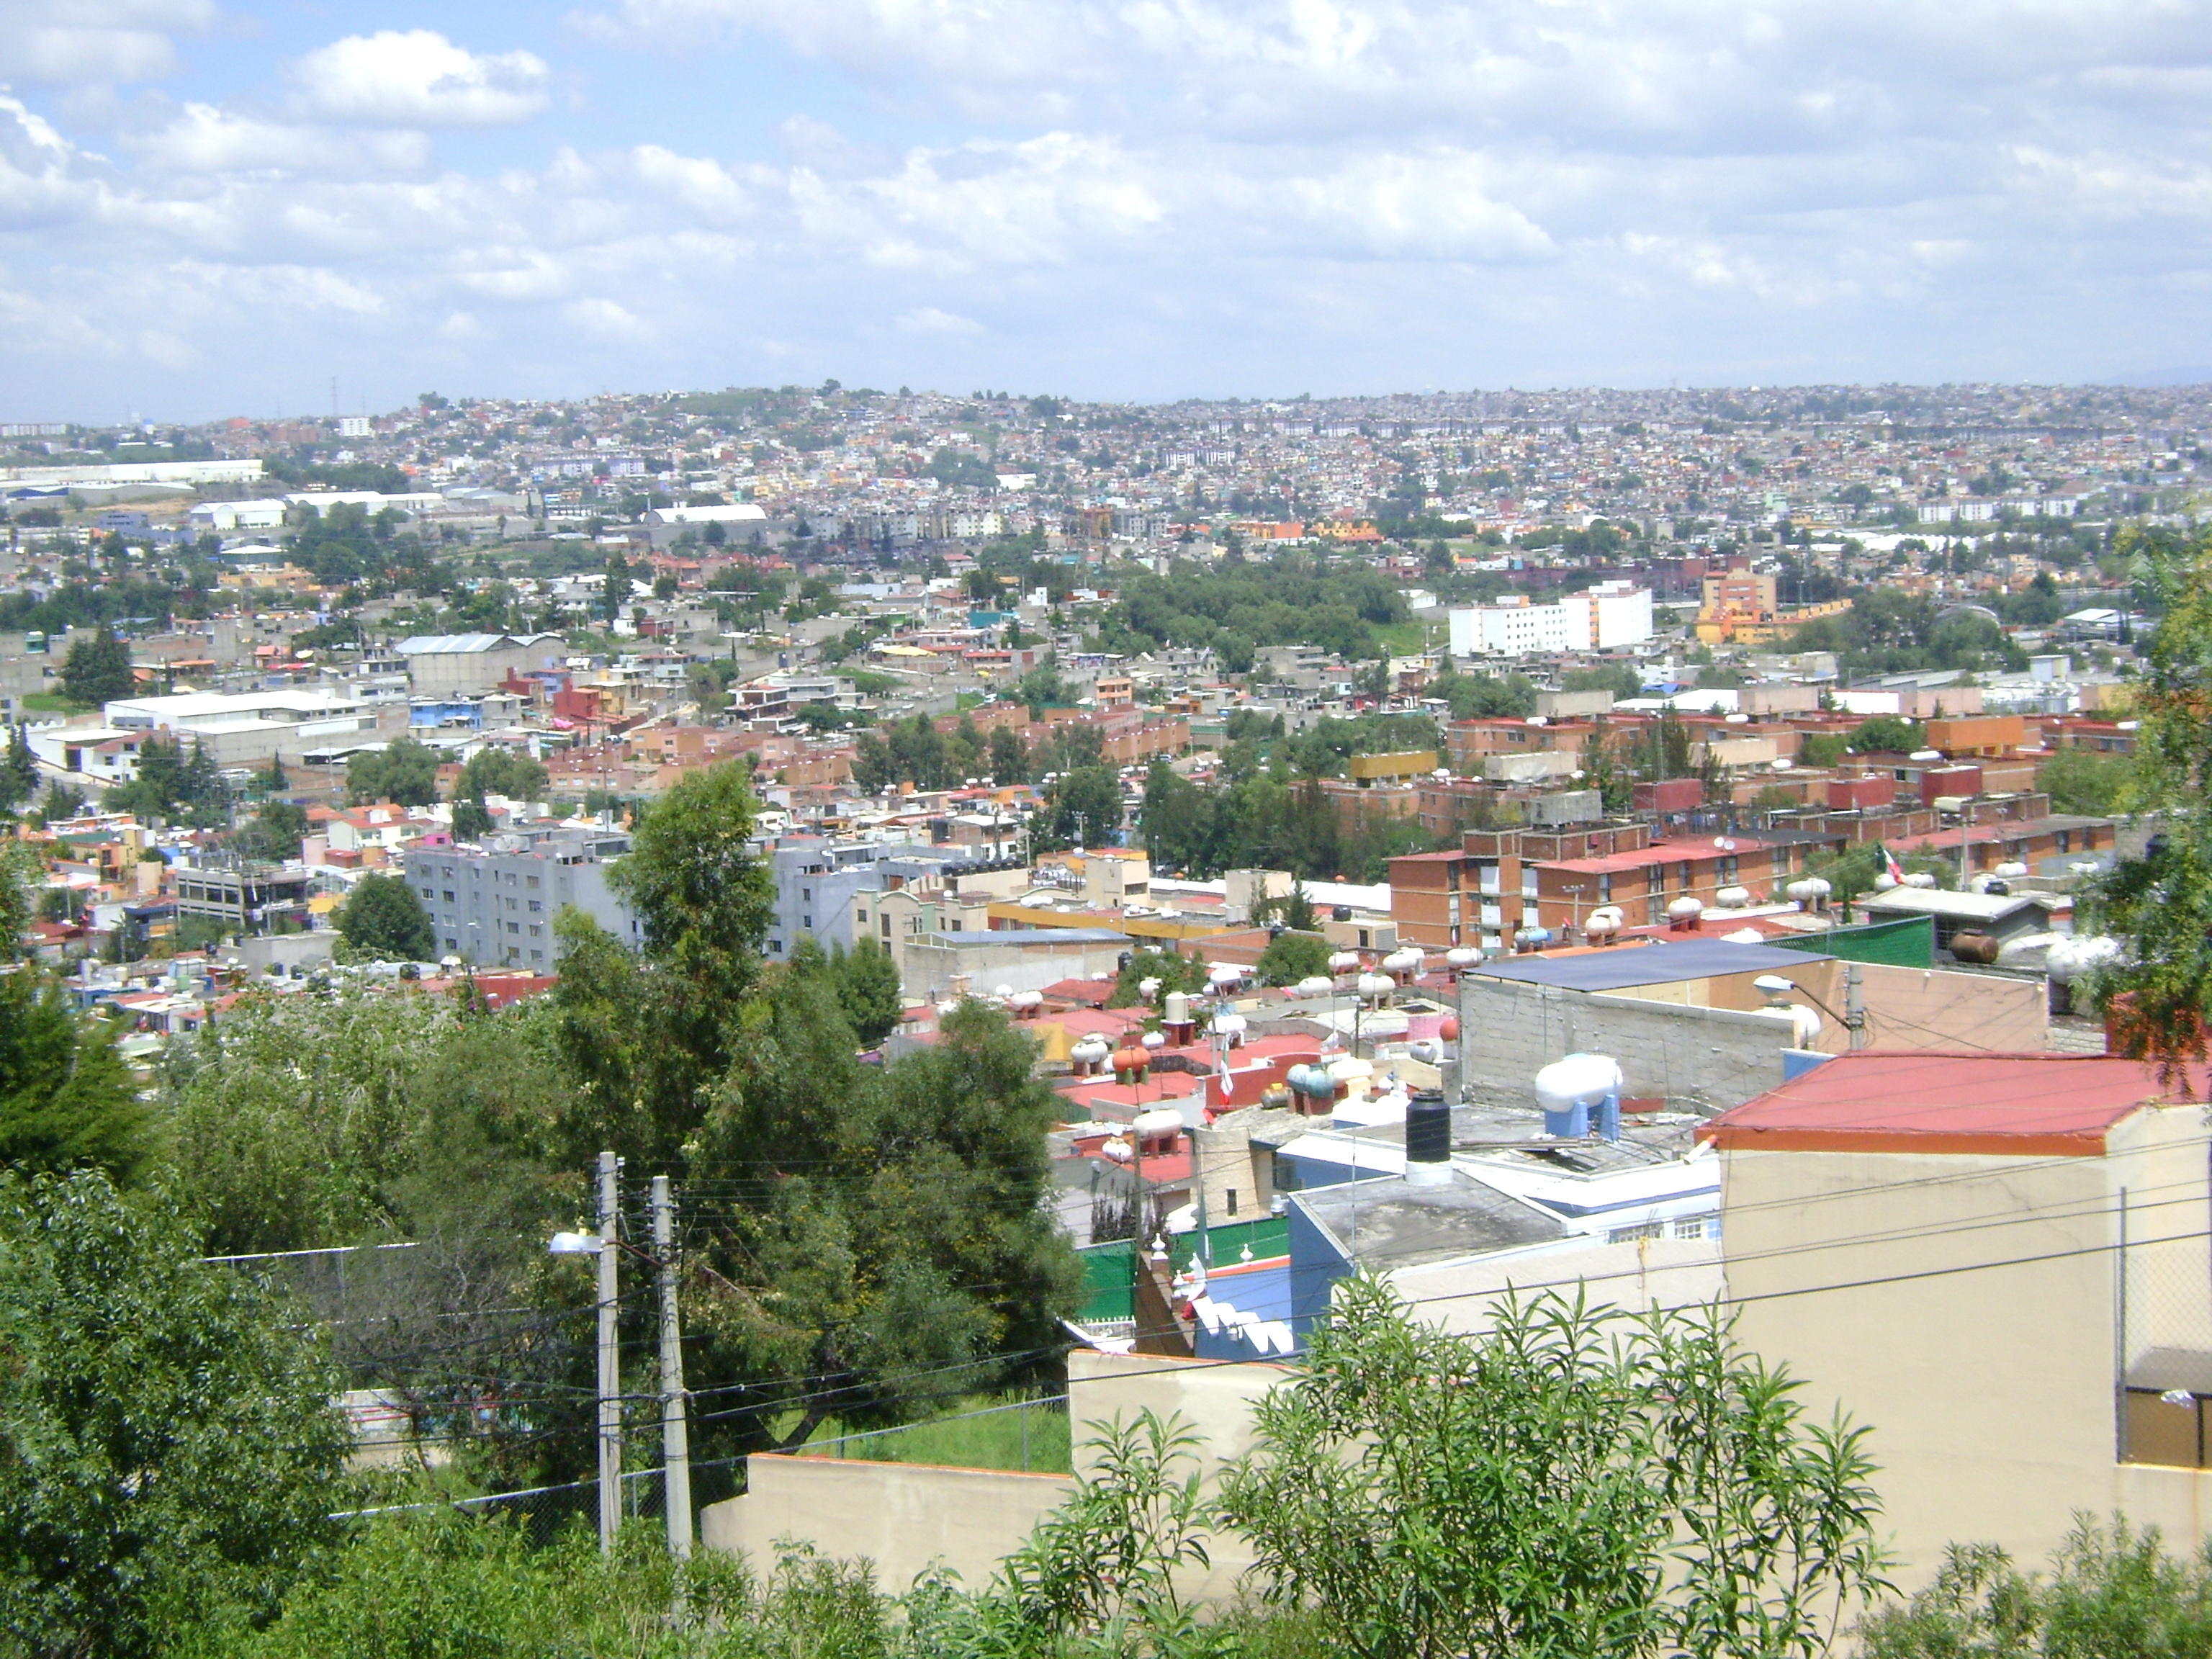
1905 1007
908 1517
1695 1057
1462 1297
1965 1307
904 1518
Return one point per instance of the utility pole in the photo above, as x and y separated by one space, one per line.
675 1432
610 1448
1854 1006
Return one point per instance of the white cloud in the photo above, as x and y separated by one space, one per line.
202 138
1143 195
928 319
608 319
94 42
417 78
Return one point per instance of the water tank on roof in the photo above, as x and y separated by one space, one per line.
1569 1090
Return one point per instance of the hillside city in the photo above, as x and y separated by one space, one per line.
992 931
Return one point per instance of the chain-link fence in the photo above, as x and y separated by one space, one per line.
2163 1341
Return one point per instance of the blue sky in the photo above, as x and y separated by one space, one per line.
210 207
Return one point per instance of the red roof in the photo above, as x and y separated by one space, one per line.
2040 1105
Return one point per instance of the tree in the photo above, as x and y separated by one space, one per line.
2160 904
170 1451
98 670
1292 956
506 772
614 588
1886 734
274 833
273 779
1009 755
1084 808
66 1099
1577 1482
19 770
403 772
384 918
2084 780
471 818
868 991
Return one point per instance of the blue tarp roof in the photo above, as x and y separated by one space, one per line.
1649 964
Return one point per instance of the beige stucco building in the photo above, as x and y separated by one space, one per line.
2003 1264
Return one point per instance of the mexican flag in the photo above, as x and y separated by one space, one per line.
1889 864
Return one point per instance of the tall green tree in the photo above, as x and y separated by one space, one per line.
403 772
19 770
2160 904
66 1099
168 1449
503 772
98 670
1084 809
868 991
615 587
384 917
1009 757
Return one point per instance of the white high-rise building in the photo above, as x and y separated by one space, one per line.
1600 619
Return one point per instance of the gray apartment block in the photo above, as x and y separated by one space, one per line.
823 886
494 904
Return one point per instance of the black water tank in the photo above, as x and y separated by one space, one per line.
1428 1127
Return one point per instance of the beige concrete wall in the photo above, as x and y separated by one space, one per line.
1462 1297
1965 1307
1914 1008
907 1517
1905 1007
904 1518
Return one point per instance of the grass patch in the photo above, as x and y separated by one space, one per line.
967 1435
1413 637
52 702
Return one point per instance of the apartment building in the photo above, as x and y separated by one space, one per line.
494 904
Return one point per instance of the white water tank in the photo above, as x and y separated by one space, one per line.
1733 898
1461 958
1577 1080
1154 1039
1344 961
1178 1008
1374 985
1686 909
1315 987
1158 1124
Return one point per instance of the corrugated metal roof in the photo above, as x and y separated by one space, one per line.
2029 1105
1647 964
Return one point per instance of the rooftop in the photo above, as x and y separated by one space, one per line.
2015 1105
1395 1223
1652 964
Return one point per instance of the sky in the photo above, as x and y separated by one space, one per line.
219 207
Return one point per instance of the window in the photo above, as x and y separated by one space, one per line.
862 917
1642 1230
1232 1200
807 922
426 893
452 945
534 881
537 905
1697 1226
886 924
535 932
449 895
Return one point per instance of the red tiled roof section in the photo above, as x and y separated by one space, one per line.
2009 1105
